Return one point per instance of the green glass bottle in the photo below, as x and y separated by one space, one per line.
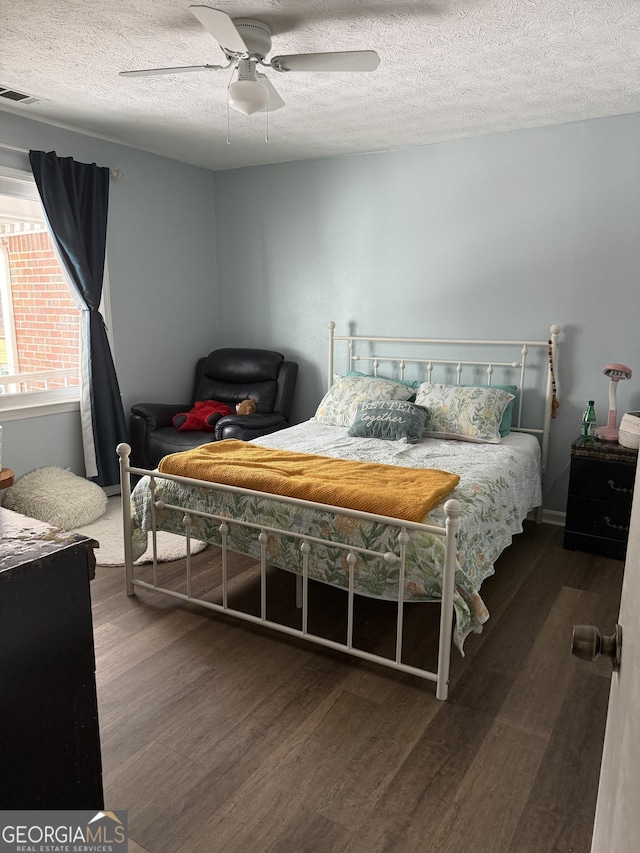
589 423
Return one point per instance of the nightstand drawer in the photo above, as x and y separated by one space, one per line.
599 518
604 481
595 545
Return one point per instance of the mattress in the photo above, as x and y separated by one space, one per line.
499 486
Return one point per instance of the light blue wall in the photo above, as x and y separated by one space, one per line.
491 237
161 257
495 236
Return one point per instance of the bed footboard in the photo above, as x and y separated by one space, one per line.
349 552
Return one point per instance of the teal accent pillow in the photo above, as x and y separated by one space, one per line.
389 419
414 384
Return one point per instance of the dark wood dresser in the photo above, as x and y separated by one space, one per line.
600 493
49 737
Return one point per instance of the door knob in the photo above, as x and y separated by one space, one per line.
588 643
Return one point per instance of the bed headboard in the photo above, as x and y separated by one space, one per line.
528 364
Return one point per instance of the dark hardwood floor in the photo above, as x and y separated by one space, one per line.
219 737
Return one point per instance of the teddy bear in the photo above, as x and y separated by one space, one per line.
246 407
204 416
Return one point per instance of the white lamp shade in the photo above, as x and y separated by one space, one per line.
248 96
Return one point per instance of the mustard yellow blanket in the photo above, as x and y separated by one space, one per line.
406 493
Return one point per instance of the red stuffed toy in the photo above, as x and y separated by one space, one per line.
203 416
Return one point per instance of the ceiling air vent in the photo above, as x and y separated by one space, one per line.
17 97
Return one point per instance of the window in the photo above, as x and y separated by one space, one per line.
39 319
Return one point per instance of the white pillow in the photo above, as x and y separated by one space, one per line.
465 412
338 406
57 496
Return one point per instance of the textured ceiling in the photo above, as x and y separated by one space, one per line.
449 69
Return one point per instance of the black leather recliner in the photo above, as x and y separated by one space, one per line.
228 376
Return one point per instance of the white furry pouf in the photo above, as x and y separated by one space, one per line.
58 497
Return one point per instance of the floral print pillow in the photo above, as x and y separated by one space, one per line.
339 405
463 412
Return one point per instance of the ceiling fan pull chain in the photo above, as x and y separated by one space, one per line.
266 139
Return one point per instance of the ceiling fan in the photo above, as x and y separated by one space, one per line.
246 43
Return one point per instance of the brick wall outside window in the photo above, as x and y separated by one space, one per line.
45 316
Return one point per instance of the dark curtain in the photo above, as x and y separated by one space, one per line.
75 197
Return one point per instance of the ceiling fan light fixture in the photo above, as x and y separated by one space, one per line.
248 96
246 42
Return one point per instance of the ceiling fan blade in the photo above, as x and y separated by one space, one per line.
347 60
275 101
152 72
221 27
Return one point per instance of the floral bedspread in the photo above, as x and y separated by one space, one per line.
499 485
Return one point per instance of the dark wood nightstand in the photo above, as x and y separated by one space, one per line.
600 493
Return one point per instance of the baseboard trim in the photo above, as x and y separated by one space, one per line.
550 516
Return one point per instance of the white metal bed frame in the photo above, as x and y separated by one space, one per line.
398 558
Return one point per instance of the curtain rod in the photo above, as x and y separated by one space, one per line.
116 174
